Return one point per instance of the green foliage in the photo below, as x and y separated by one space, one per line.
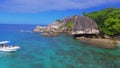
108 20
69 24
84 13
112 26
58 20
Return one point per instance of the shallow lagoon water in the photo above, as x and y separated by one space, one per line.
56 52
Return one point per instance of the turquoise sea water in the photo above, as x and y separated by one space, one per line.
56 52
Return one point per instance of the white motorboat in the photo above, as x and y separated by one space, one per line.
4 46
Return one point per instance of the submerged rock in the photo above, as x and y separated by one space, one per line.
45 34
50 34
85 28
103 43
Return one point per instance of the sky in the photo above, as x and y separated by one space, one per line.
44 12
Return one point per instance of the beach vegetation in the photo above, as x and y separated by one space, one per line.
108 20
69 24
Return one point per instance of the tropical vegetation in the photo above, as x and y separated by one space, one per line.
108 20
69 24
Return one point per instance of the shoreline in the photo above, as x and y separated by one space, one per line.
107 42
82 28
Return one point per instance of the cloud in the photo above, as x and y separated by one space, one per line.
34 6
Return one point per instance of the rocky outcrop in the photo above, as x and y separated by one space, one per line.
84 25
51 30
40 28
81 25
54 27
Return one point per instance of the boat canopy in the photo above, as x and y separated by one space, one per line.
4 42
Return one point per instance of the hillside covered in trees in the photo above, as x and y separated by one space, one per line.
108 20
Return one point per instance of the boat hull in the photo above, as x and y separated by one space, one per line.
8 49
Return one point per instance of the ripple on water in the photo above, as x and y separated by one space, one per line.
56 52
